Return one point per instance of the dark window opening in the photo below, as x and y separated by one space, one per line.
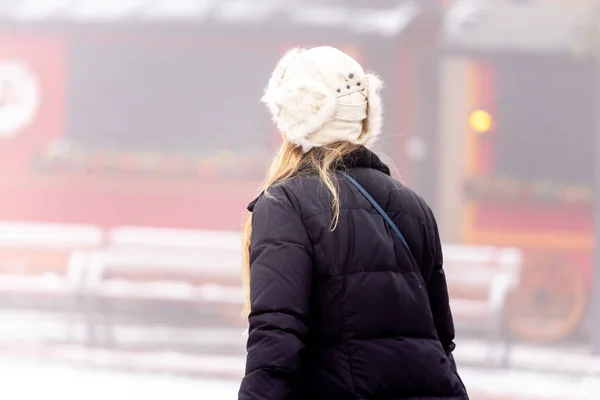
189 98
546 118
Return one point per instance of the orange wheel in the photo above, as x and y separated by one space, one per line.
550 301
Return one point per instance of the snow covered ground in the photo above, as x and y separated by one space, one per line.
33 381
43 355
62 335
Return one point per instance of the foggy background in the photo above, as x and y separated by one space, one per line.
131 141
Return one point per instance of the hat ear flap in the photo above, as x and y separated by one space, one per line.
374 121
277 77
301 107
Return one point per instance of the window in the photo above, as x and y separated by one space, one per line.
546 118
178 96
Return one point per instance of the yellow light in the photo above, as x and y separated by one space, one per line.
480 121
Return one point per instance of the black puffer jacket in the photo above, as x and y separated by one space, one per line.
349 314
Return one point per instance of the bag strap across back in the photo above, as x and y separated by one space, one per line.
377 207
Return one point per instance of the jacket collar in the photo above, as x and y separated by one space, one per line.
360 158
363 158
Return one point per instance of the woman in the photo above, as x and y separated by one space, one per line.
339 307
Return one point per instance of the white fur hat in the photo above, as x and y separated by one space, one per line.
322 95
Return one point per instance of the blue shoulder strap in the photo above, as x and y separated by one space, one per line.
380 210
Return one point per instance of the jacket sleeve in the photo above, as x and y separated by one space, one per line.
280 286
438 291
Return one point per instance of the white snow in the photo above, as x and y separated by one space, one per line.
32 381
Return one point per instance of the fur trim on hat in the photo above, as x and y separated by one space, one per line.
301 108
275 80
374 122
298 108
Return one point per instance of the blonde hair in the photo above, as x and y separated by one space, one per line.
290 161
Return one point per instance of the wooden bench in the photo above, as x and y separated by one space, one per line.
480 278
42 265
192 279
177 278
